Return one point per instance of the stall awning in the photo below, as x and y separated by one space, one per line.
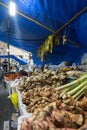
37 19
18 59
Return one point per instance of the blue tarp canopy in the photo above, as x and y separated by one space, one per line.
18 59
35 20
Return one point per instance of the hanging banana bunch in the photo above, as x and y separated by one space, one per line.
47 46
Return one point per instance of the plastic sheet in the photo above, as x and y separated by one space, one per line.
22 107
84 59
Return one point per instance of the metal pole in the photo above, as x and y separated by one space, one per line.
8 37
71 20
0 58
0 55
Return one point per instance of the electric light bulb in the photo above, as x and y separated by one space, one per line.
12 8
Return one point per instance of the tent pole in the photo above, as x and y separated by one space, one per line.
29 18
0 55
40 24
49 29
71 20
8 33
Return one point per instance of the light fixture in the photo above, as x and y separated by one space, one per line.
7 50
12 8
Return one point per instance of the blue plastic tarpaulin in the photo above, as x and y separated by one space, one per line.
18 59
26 33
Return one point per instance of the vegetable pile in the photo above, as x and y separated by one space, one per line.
59 116
43 87
54 107
39 89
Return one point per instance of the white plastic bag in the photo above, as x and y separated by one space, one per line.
84 59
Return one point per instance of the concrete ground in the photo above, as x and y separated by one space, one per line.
6 107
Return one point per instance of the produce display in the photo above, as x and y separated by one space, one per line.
74 73
13 76
39 89
59 116
55 104
9 77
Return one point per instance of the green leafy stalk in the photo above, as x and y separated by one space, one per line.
79 95
76 89
81 79
66 90
80 92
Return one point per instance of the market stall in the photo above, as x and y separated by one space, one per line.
54 94
50 108
46 93
35 21
17 59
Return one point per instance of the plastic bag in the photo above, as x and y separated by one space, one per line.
84 59
14 99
